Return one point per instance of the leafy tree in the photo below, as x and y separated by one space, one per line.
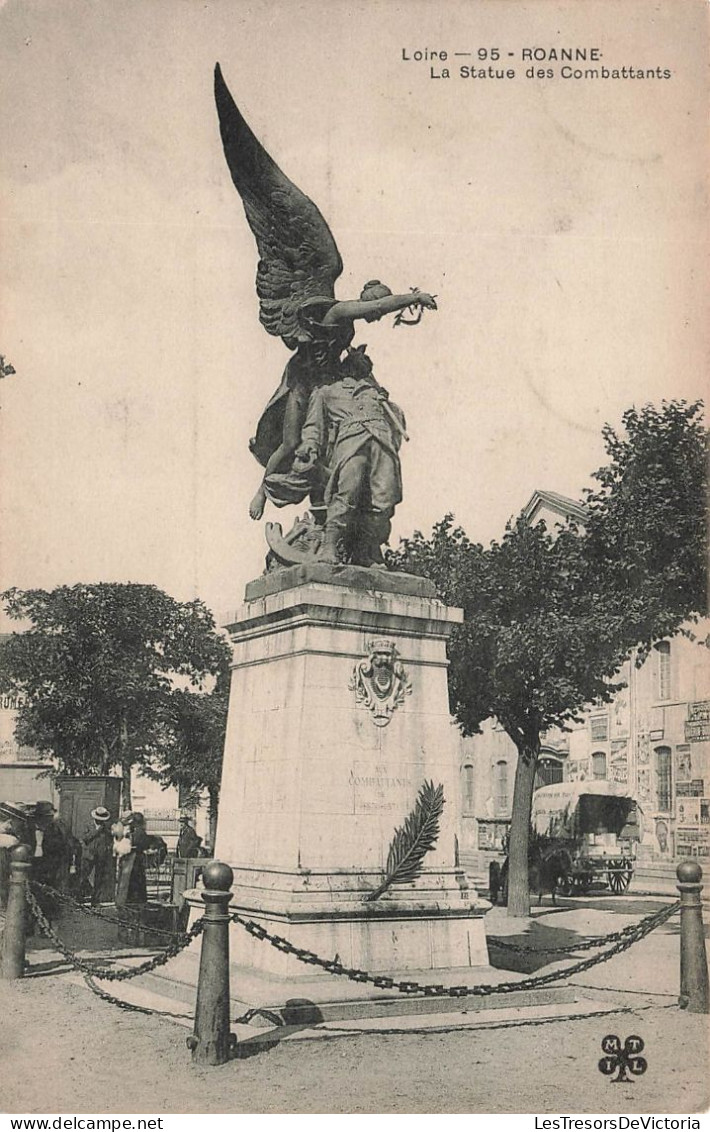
194 759
647 531
549 618
533 648
99 672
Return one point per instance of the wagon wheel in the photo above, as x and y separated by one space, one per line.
619 881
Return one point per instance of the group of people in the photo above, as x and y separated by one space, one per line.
113 862
106 866
56 855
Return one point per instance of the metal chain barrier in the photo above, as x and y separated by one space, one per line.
87 967
620 941
585 945
384 982
90 911
465 1025
131 1006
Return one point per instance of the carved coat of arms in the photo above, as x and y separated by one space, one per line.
379 681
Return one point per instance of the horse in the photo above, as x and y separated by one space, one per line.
547 869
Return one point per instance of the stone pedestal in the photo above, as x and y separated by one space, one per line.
320 769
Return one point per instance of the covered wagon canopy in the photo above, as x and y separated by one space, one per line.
570 809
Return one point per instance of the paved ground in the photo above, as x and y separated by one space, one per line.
65 1051
96 1058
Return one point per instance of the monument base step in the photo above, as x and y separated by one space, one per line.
519 1008
435 1022
308 1008
322 997
403 939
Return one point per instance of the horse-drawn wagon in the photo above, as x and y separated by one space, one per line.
595 825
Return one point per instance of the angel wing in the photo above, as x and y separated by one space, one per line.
298 257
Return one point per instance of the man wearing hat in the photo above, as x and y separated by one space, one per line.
189 842
50 850
97 864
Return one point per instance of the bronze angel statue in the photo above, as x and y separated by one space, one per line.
337 447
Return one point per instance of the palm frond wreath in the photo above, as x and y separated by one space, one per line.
413 840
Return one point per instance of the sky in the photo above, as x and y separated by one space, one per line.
561 223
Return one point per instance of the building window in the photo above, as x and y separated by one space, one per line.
468 788
599 726
598 765
501 787
492 834
549 771
663 779
663 649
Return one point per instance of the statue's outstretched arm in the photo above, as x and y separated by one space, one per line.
376 308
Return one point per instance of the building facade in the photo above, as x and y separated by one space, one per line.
653 739
488 763
24 773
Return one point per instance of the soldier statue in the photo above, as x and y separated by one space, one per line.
298 265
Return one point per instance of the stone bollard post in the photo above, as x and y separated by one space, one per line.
211 1042
14 934
4 878
694 994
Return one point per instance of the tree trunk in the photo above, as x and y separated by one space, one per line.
214 809
106 760
126 801
126 764
518 881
